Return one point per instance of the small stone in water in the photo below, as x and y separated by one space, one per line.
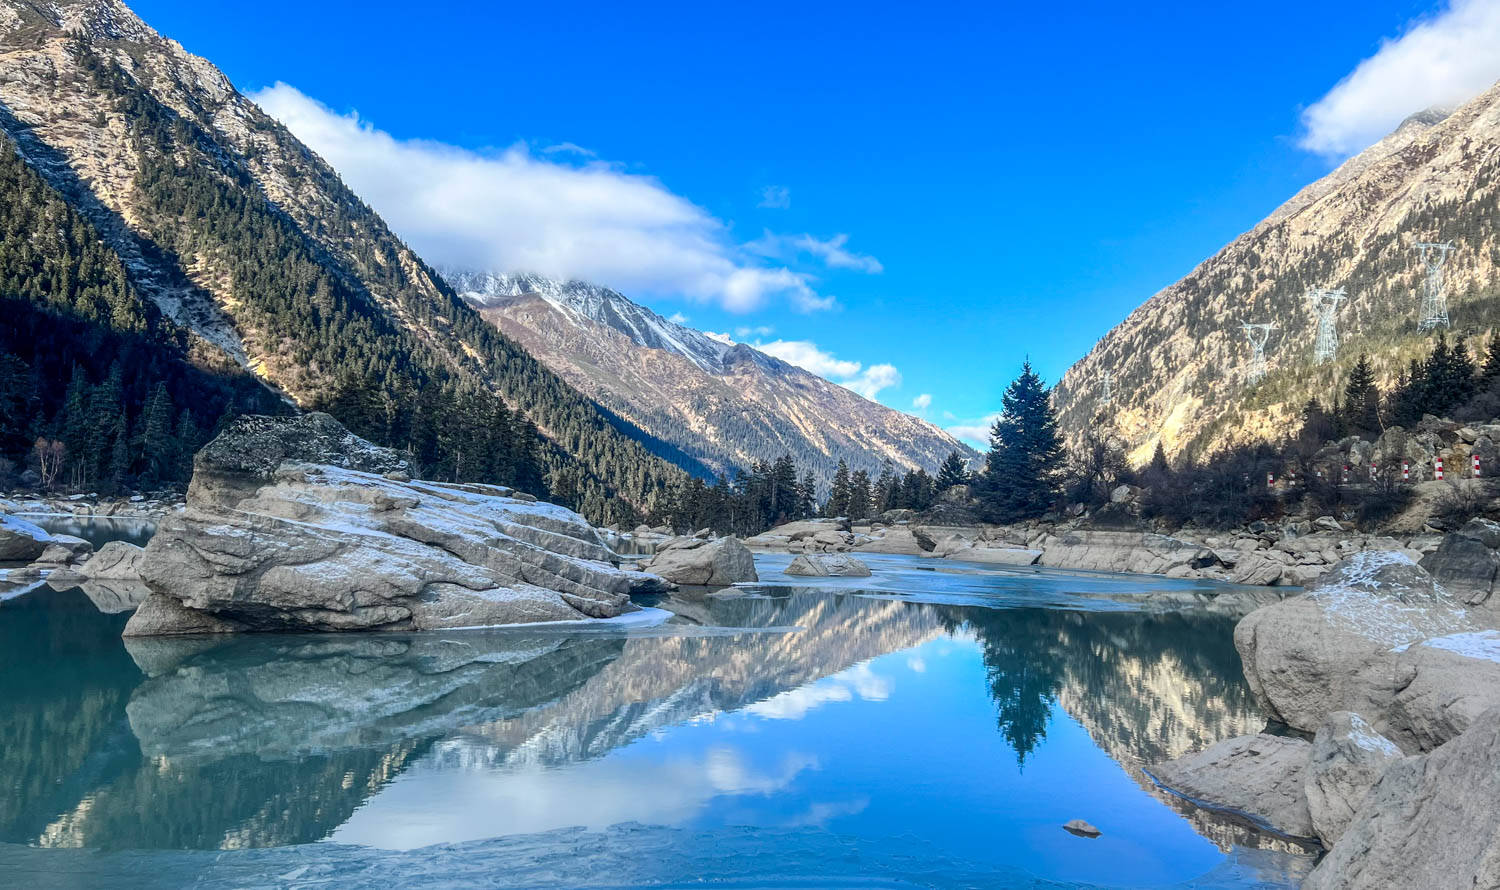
1081 828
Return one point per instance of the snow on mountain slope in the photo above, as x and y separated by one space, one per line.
725 403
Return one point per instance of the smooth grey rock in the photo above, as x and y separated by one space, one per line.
1348 757
1005 556
828 565
900 539
115 561
65 550
21 541
1467 563
253 447
324 547
1261 777
1442 685
1430 821
1330 649
694 561
1081 828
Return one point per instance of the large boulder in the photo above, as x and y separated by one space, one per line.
1442 686
1258 777
696 562
21 541
1140 553
1330 649
115 561
1467 562
1430 821
65 550
1348 756
253 447
324 547
899 539
824 565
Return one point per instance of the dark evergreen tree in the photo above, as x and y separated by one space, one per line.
838 499
954 471
859 496
1022 477
1362 400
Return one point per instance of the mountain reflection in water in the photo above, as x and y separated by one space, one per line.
809 709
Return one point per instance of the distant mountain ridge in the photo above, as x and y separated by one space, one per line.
726 404
1179 362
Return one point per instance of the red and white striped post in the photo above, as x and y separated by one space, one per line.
1406 471
1437 469
1372 472
1476 466
1346 474
1271 477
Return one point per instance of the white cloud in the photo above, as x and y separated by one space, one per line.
777 197
744 332
569 148
975 432
678 318
867 381
831 251
1441 60
922 402
513 211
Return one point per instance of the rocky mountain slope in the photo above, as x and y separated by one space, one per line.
245 237
1180 361
725 404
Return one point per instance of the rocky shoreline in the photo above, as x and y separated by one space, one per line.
1397 683
1293 553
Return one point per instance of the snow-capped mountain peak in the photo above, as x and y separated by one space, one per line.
580 299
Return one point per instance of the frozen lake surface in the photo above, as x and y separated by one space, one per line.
922 728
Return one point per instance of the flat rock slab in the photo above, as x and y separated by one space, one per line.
825 565
336 546
1259 777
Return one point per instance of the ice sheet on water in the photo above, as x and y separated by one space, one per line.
626 855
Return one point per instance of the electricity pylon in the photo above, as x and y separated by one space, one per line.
1106 388
1325 302
1434 291
1257 334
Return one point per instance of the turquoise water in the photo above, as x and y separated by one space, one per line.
933 732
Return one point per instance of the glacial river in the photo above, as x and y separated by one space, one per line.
919 729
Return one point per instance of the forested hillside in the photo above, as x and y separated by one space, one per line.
92 377
217 218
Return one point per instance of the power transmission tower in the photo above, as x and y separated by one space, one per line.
1106 388
1325 302
1434 292
1257 334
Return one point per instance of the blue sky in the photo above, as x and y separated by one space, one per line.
908 199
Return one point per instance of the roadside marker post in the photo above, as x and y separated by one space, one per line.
1437 469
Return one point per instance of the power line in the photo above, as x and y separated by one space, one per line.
1325 302
1434 289
1257 334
